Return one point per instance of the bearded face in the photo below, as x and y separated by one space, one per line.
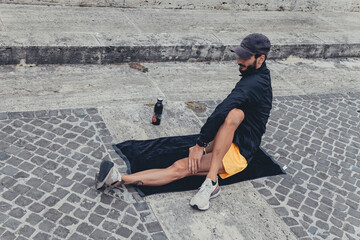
247 68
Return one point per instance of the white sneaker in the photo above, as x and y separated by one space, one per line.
207 191
107 176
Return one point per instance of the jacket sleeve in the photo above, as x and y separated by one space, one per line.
238 96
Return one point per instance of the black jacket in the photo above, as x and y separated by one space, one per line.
253 95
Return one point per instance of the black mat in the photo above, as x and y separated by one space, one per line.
163 152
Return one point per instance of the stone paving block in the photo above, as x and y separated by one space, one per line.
16 162
141 227
46 226
159 236
87 204
3 156
35 194
26 231
34 182
65 182
95 219
290 221
36 207
336 231
78 188
281 211
298 231
47 187
336 222
78 177
9 170
8 235
17 212
61 232
119 205
34 219
68 221
106 199
92 193
77 236
4 206
124 232
153 227
23 201
12 224
51 201
60 193
7 181
129 220
98 234
138 236
354 221
66 208
114 214
53 215
80 214
42 236
141 206
85 229
132 211
109 226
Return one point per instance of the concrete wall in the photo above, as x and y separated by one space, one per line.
245 5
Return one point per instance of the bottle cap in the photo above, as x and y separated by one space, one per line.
160 99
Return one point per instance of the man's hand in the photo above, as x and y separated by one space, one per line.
195 154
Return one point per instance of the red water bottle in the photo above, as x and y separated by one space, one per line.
158 108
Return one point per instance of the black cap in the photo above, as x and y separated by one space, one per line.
255 43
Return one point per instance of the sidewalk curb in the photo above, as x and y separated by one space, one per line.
124 54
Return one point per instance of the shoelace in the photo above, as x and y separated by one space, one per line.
204 188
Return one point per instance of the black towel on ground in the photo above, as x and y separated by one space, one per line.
142 155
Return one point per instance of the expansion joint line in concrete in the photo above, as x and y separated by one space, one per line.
2 23
132 23
157 87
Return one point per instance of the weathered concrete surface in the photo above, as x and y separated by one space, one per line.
52 86
120 93
66 35
231 216
244 5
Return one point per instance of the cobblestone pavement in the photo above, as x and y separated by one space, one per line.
317 139
48 160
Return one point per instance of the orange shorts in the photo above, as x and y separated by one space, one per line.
233 162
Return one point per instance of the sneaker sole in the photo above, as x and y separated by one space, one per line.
216 194
208 205
202 209
104 173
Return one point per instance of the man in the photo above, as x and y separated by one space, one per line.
228 139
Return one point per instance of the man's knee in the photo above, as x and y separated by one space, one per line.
234 117
180 168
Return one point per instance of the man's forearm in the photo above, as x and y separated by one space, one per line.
210 148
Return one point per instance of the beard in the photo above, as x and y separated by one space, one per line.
249 68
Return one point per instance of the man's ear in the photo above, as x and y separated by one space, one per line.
260 60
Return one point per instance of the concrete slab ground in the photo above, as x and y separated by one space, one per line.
77 35
243 5
314 136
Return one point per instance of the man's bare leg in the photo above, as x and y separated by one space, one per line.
159 177
210 163
223 140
